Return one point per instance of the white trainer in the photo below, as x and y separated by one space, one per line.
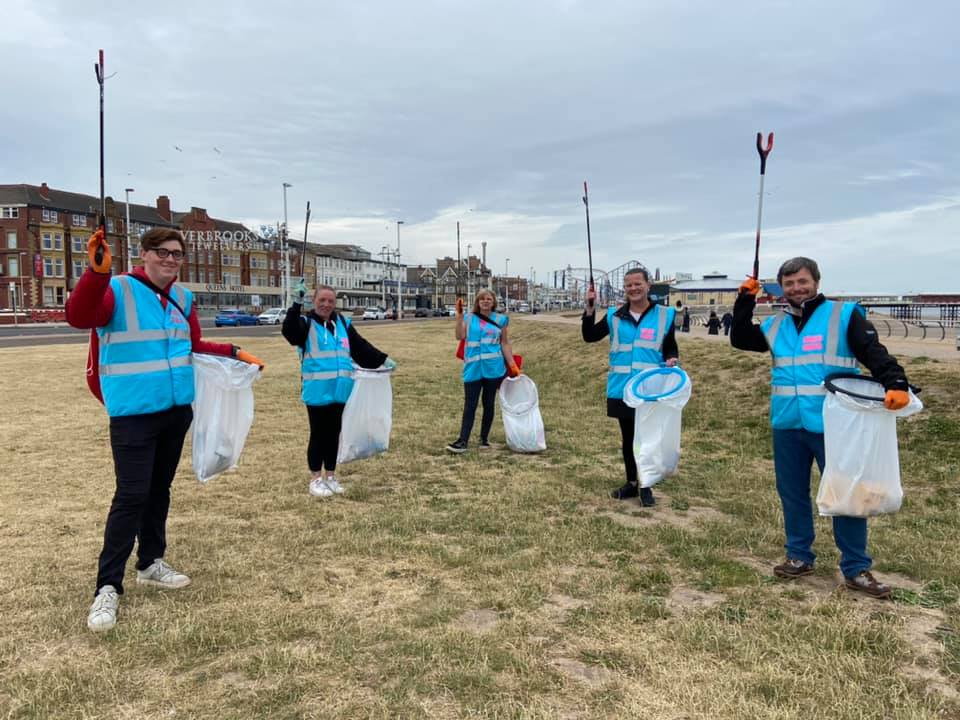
318 488
334 485
103 612
162 575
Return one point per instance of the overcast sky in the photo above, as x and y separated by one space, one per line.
494 114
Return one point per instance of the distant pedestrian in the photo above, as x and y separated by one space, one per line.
713 324
727 321
685 323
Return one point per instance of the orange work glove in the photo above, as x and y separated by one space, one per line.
459 306
750 286
896 399
244 356
513 371
98 242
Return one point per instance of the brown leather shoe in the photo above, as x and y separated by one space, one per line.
866 583
792 568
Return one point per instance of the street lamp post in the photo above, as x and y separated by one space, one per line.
398 314
384 259
469 276
285 278
127 192
506 285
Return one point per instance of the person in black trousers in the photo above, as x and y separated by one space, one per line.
329 345
147 388
635 320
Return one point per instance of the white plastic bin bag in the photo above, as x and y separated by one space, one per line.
520 408
222 412
658 396
367 417
861 474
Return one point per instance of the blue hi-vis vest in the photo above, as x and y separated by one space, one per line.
802 360
482 354
326 370
145 360
635 347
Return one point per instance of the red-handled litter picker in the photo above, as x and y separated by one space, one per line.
763 170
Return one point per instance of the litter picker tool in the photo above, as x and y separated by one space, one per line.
586 205
303 254
98 69
763 170
459 265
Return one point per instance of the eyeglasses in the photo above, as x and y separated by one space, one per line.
163 253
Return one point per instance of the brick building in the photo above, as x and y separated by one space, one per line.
43 248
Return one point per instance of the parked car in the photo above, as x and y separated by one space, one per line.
373 314
421 312
390 314
451 312
273 316
234 318
439 312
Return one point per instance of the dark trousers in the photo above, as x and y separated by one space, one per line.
794 452
146 452
472 391
626 438
325 422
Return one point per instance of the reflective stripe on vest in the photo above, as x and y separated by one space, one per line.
145 350
482 353
802 360
326 370
634 348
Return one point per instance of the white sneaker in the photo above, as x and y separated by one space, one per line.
319 488
162 575
332 483
103 612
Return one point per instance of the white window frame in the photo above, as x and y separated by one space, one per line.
48 295
46 241
48 267
13 266
58 241
12 239
77 244
79 220
78 268
9 213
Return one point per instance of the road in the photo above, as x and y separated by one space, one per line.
61 333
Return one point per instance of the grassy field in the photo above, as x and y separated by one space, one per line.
486 585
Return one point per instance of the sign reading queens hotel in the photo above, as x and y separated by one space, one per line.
225 240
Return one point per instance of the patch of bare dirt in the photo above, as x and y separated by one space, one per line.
478 620
686 598
637 516
933 679
576 670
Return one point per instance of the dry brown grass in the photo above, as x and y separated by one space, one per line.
487 585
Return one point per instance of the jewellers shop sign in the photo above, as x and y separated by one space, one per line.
223 288
224 240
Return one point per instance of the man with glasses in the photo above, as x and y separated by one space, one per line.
145 331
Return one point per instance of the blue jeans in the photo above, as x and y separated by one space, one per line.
793 454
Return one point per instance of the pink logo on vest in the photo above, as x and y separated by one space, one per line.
813 343
345 343
647 333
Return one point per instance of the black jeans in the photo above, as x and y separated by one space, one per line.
325 422
626 437
146 452
471 394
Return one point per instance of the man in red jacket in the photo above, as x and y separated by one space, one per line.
145 332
